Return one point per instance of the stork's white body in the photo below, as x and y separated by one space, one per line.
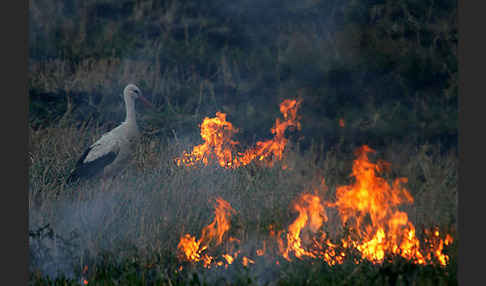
110 154
120 141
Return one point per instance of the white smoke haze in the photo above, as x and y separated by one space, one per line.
146 210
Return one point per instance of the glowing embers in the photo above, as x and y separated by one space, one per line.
341 122
373 228
219 146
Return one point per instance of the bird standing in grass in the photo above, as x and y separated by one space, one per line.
108 156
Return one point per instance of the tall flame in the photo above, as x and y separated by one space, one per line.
369 207
219 146
311 217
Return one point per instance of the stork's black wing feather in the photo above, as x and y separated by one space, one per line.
92 168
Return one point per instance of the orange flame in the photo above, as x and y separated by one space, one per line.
301 234
193 249
218 145
247 261
216 133
368 208
311 216
85 270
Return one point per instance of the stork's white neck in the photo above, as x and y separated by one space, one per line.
130 109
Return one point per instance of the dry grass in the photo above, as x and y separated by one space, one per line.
147 209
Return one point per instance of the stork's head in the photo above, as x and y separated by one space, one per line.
131 91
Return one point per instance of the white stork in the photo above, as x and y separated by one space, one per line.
110 154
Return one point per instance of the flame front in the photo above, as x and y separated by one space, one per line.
219 146
368 210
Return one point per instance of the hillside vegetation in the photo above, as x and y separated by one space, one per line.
388 68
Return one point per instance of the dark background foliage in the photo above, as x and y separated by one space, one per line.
387 67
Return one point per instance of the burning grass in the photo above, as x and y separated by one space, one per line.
219 146
163 224
368 209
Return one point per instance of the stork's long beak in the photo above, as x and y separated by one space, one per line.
146 102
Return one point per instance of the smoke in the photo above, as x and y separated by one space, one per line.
145 213
70 229
148 213
85 221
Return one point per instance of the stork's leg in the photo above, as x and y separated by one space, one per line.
102 184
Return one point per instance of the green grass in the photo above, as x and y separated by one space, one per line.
135 272
128 234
